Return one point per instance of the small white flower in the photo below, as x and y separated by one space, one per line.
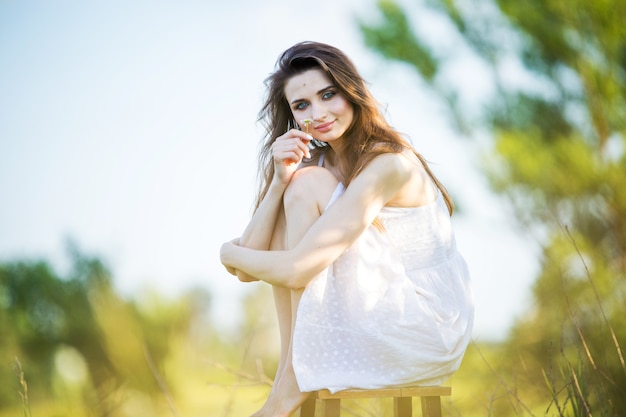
306 123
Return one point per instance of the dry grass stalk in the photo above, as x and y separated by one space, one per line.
595 291
160 381
24 388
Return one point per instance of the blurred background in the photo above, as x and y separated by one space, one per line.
128 145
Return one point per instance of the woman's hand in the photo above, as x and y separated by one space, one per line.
288 151
226 249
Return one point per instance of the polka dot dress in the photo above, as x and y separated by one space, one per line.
394 309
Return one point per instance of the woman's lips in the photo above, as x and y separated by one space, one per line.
325 127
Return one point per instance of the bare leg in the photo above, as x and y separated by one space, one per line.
282 303
282 298
304 200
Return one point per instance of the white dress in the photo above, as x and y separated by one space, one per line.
396 308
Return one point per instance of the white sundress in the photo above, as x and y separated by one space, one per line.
395 309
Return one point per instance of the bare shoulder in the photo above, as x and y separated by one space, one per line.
396 165
391 162
417 187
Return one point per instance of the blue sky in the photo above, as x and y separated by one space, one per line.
131 129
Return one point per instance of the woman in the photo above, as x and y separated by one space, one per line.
352 230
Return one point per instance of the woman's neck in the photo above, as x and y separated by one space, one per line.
333 162
337 146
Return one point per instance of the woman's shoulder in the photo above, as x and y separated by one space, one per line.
414 186
397 163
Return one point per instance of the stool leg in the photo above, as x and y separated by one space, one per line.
431 407
402 407
307 409
331 407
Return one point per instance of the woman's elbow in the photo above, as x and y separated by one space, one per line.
287 276
295 283
295 278
291 272
290 278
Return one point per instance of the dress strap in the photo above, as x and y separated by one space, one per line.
320 162
339 189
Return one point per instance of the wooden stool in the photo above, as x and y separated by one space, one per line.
402 400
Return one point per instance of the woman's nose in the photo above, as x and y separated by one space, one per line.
318 112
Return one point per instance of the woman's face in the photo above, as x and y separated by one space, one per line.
312 96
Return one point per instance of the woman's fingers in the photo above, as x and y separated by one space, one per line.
232 270
288 150
240 277
292 146
290 153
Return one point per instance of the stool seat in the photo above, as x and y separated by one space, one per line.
402 400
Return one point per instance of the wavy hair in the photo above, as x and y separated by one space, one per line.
368 136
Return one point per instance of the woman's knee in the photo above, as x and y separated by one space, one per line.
310 186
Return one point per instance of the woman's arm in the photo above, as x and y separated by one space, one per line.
333 233
287 152
258 234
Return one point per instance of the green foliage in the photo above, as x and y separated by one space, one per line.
73 343
38 314
164 358
395 40
559 157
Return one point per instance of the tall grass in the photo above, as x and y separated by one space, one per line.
23 390
582 376
587 385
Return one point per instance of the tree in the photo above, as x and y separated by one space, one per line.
557 134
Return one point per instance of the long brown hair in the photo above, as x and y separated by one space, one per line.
369 135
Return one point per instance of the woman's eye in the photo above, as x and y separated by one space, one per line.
301 106
328 94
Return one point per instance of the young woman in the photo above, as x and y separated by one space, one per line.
353 232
